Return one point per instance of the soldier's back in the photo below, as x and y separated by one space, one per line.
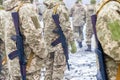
78 13
108 23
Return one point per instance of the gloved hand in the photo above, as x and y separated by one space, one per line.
1 7
73 47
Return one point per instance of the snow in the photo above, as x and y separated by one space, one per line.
82 66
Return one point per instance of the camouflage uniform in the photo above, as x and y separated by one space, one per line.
3 21
108 32
78 14
38 8
89 27
56 61
33 42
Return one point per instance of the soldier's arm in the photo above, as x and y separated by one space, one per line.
31 29
65 23
108 21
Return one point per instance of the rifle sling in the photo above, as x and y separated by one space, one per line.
29 60
4 60
55 9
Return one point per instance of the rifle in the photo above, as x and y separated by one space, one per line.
61 39
20 46
99 51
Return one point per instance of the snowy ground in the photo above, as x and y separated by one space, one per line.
82 64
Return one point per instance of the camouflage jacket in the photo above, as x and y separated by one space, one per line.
90 12
108 32
3 15
33 41
78 14
49 24
3 25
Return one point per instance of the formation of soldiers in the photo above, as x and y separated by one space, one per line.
48 46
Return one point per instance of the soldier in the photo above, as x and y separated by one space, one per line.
108 33
56 61
89 28
32 39
3 65
78 12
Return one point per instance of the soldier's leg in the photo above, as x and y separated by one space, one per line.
111 68
76 32
4 73
34 75
59 66
89 33
80 33
15 78
76 35
49 66
80 38
31 76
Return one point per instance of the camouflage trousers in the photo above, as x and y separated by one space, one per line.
30 76
89 33
112 67
78 33
55 66
4 73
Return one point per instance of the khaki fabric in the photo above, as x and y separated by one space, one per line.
108 23
55 62
3 25
32 33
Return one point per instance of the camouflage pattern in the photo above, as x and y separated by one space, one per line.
31 76
38 8
56 62
107 20
78 14
33 41
89 27
3 22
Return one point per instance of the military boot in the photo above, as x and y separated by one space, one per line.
89 48
80 44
